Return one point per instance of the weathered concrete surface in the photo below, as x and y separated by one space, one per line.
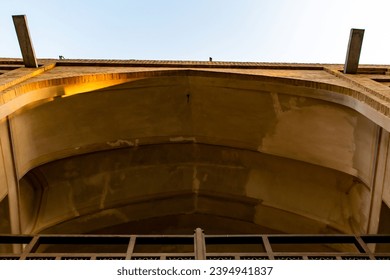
272 149
5 226
224 112
3 178
131 184
386 183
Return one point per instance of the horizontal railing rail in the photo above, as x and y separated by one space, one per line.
195 246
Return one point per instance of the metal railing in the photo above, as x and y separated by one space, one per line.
197 246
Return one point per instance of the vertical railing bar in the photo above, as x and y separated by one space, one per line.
267 246
199 244
364 247
130 247
32 246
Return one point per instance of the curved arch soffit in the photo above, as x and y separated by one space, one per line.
33 94
46 90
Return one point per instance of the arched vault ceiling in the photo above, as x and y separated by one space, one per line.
322 83
107 189
254 149
235 113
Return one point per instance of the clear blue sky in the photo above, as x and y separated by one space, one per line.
242 30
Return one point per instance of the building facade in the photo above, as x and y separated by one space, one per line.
164 147
168 146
